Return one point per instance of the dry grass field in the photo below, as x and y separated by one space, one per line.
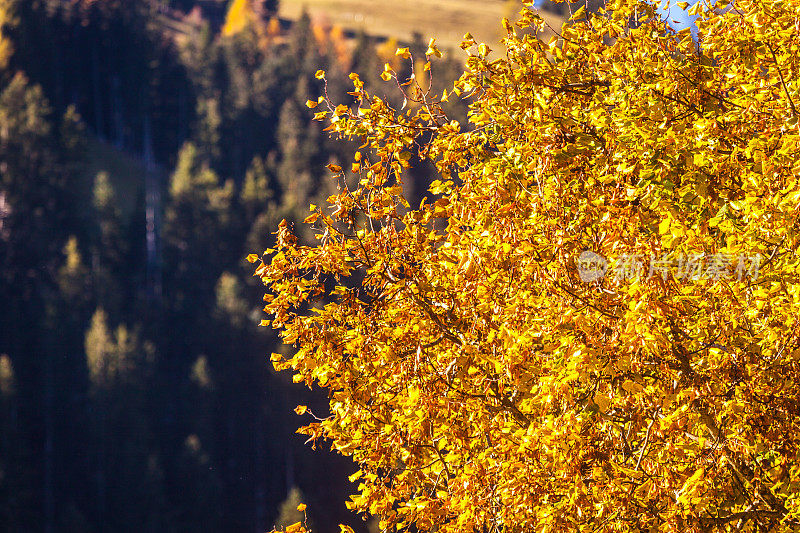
446 20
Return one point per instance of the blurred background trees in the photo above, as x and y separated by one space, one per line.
145 148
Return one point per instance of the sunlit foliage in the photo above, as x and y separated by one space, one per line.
478 381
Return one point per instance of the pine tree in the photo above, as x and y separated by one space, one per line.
294 172
17 480
7 22
244 53
35 187
257 191
199 244
101 352
73 276
302 146
198 509
201 56
365 61
230 302
126 484
37 195
109 250
301 38
9 440
240 385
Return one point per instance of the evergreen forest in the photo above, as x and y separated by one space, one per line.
146 147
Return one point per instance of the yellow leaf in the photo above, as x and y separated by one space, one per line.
690 486
433 50
297 527
632 387
602 401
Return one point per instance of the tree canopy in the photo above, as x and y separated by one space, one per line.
589 323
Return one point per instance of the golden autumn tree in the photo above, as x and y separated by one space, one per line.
591 323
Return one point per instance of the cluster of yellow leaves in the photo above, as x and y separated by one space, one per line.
479 384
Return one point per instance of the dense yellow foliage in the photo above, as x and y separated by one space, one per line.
483 378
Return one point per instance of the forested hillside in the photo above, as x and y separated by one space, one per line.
592 323
447 20
145 148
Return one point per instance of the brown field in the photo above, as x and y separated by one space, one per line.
446 20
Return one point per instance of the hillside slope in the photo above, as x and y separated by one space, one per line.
446 20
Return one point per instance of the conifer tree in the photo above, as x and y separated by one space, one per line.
201 56
365 60
11 446
73 276
7 22
110 251
126 480
102 356
257 190
198 243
